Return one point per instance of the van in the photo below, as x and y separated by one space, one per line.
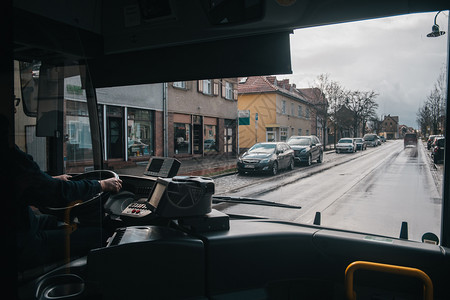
410 139
371 139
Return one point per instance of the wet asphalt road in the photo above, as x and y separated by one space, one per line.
371 191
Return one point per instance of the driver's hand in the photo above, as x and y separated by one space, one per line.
111 185
63 177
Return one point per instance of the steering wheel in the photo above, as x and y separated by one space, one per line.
87 208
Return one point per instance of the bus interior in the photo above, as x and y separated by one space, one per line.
188 251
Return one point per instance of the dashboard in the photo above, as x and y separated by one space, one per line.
209 255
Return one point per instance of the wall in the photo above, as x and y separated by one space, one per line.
265 105
293 120
190 101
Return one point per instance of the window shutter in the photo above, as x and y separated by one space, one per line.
223 90
200 86
216 89
235 94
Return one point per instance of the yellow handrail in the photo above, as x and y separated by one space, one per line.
371 266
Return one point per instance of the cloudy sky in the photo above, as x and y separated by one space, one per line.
391 56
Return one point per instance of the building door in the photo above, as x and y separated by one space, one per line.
228 140
197 134
271 135
115 137
198 139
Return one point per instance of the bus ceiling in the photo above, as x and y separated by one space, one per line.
164 40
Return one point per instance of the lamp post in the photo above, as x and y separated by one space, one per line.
435 32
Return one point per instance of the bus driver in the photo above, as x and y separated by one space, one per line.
39 238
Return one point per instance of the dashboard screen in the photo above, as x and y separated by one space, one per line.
162 167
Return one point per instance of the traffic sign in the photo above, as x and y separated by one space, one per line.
244 117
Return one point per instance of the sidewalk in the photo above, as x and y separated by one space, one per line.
207 166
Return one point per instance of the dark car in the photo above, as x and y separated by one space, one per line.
410 139
306 148
360 144
266 157
371 139
438 151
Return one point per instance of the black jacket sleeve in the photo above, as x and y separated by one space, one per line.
35 187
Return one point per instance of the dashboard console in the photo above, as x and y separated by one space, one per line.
181 196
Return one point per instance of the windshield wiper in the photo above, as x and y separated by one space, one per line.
253 201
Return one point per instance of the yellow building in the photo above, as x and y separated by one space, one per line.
281 109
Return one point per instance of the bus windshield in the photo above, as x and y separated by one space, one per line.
268 147
198 121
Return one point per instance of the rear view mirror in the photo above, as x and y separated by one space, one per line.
29 86
39 89
50 103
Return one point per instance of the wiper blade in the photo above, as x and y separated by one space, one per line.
252 201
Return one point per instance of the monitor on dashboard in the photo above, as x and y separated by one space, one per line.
166 167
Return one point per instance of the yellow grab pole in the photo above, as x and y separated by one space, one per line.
371 266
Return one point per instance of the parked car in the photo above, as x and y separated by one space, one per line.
210 144
346 145
382 138
438 151
431 139
433 142
266 157
410 139
306 148
360 144
371 139
137 148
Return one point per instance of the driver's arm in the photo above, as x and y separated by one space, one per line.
35 187
107 185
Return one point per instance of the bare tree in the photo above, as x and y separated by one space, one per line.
336 96
436 110
369 108
424 119
431 116
361 104
321 104
363 107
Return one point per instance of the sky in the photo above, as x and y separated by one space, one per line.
392 56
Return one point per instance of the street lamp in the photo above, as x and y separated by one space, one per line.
435 32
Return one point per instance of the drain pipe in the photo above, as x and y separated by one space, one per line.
165 121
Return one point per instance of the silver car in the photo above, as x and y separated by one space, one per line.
346 145
371 139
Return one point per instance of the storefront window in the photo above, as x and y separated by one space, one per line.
77 132
209 138
140 132
182 138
